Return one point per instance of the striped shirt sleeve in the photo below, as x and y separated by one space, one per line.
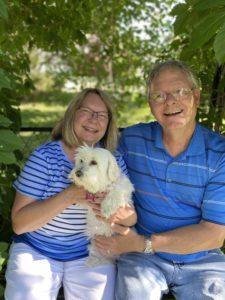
213 205
121 163
122 149
34 177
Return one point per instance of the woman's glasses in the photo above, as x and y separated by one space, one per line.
89 114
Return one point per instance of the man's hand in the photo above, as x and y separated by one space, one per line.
127 240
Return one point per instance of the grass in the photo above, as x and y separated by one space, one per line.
46 114
41 114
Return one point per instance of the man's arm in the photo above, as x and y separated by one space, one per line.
185 240
190 239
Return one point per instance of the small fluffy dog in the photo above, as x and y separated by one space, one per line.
96 170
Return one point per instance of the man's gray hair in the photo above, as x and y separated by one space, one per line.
172 64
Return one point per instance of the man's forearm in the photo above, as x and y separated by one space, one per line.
189 239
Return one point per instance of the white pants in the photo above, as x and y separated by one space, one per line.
32 276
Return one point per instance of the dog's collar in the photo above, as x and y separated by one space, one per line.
90 197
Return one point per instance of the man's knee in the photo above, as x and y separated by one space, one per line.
133 288
138 278
212 288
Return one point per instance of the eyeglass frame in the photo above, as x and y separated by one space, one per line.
95 114
174 94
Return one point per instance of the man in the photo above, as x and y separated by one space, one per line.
178 169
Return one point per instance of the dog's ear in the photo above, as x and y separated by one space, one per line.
113 170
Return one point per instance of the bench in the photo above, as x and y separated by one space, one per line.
165 297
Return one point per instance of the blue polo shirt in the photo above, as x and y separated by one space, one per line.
172 192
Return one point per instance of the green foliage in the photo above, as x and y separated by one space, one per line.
219 44
203 22
200 34
3 9
3 256
122 42
3 253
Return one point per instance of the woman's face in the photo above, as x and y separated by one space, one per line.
91 120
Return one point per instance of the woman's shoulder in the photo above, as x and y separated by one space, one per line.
49 148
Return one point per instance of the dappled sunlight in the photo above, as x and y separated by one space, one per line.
47 114
40 114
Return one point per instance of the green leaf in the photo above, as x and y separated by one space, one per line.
2 289
3 9
179 9
3 253
206 29
4 80
219 45
207 4
4 122
9 141
3 247
181 22
7 158
2 260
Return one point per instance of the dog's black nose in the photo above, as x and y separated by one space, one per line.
79 173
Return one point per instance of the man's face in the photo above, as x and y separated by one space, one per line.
181 100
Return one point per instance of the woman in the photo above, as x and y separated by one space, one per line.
50 248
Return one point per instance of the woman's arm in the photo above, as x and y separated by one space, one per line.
29 214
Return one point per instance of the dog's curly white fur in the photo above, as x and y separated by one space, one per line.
96 170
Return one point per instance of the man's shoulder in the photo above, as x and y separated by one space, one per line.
140 129
213 140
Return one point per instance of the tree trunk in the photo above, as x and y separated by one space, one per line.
217 99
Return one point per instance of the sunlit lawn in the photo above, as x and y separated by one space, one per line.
47 114
41 114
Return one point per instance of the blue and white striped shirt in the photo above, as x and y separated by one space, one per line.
45 175
172 192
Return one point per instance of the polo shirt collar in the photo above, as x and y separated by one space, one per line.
197 142
157 136
196 145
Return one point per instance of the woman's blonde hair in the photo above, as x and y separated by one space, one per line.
64 129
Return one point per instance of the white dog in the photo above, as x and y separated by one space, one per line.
96 170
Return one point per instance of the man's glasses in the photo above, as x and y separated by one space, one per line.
89 114
179 94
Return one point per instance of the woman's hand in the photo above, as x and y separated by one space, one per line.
95 201
125 216
127 240
77 194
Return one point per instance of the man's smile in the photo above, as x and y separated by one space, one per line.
174 113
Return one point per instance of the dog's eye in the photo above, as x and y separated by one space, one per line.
93 162
81 160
